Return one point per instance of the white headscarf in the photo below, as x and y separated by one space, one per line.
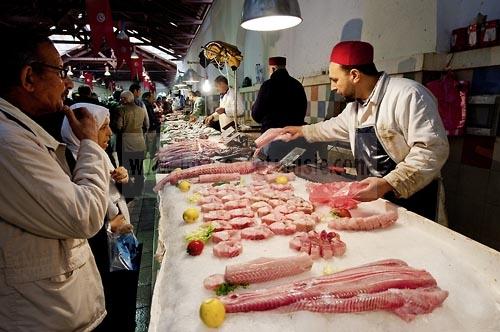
116 202
100 114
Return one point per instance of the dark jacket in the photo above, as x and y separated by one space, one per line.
153 121
281 102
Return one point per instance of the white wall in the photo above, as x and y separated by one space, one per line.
396 28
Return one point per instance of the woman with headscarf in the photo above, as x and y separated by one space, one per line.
118 218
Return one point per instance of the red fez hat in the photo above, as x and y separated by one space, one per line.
352 53
277 61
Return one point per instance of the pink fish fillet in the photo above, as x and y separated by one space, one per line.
406 303
227 249
213 281
273 134
260 232
367 279
266 269
243 167
207 178
364 223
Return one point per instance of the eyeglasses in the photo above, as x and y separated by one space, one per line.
63 72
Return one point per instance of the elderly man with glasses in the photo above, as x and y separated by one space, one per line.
48 276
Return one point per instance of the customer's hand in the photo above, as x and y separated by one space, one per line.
82 123
294 131
117 222
120 175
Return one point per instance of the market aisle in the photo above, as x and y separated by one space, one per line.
142 214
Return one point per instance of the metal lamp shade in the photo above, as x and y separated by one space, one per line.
191 76
270 15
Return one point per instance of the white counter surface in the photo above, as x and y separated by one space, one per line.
467 269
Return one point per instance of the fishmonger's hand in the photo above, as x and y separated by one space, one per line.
294 131
374 188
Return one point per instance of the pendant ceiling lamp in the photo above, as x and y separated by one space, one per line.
270 15
190 76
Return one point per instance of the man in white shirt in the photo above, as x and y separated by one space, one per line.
225 113
394 128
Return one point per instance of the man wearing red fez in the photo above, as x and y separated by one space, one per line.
281 100
393 126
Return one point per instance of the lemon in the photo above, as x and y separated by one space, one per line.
190 215
328 269
281 179
184 186
194 198
177 169
212 312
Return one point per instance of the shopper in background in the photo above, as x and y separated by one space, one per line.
48 276
152 135
198 103
281 100
131 145
135 88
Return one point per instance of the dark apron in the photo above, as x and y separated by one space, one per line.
372 160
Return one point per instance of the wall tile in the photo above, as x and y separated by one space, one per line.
322 95
451 175
456 147
313 109
307 90
493 191
321 109
473 183
489 232
495 165
314 93
467 216
478 151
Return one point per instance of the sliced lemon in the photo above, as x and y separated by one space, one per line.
212 312
281 179
191 215
184 186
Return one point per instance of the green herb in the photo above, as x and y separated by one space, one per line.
203 233
220 183
227 288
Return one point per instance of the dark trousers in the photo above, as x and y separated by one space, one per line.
133 161
423 202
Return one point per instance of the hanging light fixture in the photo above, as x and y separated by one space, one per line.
69 73
191 76
94 80
134 55
107 73
81 75
206 86
270 15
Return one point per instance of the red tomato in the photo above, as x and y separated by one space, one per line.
195 247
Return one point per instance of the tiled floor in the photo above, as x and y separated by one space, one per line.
143 214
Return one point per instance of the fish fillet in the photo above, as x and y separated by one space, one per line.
265 269
364 223
374 286
243 167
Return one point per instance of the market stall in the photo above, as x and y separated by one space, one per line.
452 259
185 144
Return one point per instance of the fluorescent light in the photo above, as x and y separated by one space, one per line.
80 15
172 23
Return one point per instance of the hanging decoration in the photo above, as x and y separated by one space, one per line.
101 24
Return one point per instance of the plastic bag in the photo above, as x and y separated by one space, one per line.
452 102
122 251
